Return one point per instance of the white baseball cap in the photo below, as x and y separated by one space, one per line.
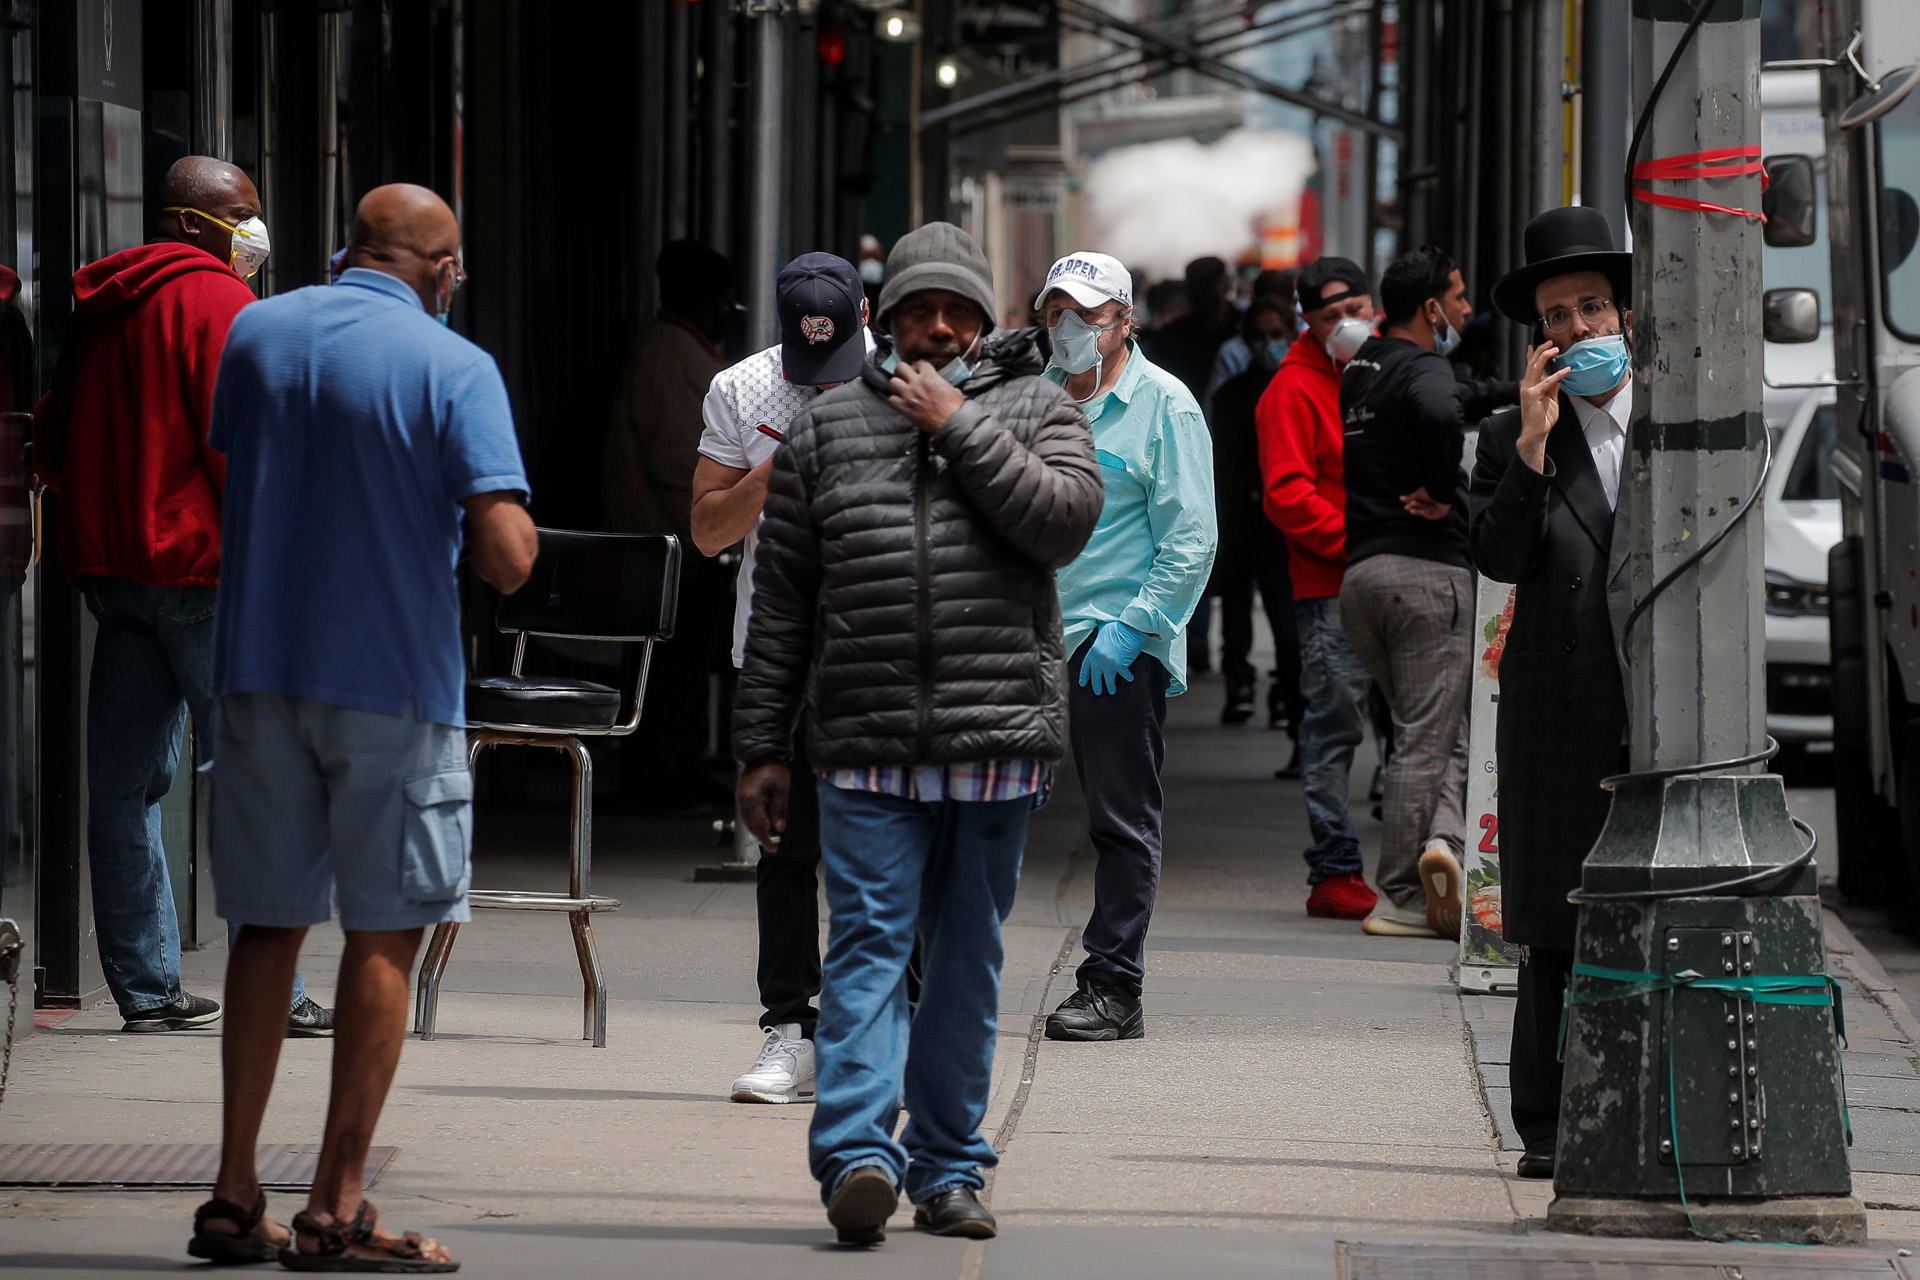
1089 279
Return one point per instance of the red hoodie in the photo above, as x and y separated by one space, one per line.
1303 488
122 436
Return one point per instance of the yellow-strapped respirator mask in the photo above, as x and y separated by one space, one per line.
250 243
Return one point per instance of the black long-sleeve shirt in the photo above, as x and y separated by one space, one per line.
1401 416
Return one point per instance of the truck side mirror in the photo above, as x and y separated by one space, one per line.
1790 315
1789 203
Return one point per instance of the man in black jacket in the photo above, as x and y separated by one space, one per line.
1550 514
1407 599
905 614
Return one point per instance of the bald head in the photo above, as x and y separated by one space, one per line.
409 233
200 193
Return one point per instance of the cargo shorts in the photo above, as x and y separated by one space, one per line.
313 800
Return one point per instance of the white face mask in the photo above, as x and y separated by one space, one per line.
251 247
1076 344
1347 338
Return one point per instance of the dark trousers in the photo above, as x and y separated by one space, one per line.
787 891
1118 747
1257 557
1533 1066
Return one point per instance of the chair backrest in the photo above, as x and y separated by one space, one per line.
598 586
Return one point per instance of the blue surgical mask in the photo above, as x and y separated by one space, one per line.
1076 344
956 370
1445 338
1598 365
1270 353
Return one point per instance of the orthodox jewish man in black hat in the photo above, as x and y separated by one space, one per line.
1549 503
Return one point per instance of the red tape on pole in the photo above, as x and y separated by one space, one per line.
1722 162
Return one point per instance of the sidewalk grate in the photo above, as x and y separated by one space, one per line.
153 1166
1608 1261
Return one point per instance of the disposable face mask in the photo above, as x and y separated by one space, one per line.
1347 338
956 370
1596 365
1446 339
1076 344
872 270
250 244
1270 353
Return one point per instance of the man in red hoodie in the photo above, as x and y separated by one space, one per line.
121 438
1298 423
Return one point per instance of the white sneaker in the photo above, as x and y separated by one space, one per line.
783 1072
1390 921
1440 876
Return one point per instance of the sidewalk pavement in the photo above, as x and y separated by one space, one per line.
1304 1093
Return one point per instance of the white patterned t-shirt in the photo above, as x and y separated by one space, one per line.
748 409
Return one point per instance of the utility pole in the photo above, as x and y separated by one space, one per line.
1703 1088
769 170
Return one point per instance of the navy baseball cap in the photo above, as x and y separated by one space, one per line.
820 299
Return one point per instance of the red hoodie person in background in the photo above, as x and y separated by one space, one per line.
1298 425
122 439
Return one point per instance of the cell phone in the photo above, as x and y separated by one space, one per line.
766 430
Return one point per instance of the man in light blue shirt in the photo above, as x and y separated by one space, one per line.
1124 605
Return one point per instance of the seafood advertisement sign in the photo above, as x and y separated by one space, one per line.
1487 963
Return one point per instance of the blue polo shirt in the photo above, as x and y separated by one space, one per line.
353 425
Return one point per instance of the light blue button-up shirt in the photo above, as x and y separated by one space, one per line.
1149 557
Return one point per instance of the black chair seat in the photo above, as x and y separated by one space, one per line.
548 701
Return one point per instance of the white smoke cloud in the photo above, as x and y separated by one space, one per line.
1159 205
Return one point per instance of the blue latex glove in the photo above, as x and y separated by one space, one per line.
1110 660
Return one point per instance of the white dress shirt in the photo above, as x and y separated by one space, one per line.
1605 427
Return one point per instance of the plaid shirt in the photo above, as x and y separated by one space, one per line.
932 783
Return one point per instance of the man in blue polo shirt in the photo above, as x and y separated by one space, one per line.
1125 603
357 432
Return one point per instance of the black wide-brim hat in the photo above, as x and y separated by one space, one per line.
1558 243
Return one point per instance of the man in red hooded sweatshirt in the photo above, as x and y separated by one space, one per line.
1303 492
122 438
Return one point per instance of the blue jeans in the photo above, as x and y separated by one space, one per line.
1334 685
152 663
951 868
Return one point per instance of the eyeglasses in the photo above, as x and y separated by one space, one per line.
1560 319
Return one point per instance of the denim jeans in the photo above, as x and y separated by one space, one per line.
152 663
1334 685
951 868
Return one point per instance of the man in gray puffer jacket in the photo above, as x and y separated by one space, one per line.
905 615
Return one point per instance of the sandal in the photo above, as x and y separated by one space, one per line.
241 1246
394 1255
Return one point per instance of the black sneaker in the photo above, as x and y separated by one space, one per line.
1239 708
1097 1012
955 1213
309 1019
184 1014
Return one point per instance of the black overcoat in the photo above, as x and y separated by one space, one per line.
1562 709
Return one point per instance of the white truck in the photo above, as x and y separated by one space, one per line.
1865 194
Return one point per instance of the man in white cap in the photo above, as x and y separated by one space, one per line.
1124 604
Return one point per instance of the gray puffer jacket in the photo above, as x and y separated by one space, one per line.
904 596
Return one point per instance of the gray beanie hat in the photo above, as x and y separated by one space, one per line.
937 256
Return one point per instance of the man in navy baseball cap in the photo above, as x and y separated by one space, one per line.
823 311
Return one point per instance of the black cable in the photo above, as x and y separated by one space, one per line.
1693 770
1719 888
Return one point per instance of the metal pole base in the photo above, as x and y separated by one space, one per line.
1837 1220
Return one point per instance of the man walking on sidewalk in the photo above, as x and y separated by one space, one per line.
122 438
749 410
1407 600
1301 467
1125 601
357 431
1551 515
904 616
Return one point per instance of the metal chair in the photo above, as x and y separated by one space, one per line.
585 586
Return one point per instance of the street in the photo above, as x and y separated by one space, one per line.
1300 1085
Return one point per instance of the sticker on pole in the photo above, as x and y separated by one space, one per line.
1487 962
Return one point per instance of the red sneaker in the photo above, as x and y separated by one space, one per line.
1342 897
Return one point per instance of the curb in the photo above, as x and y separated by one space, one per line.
1859 964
